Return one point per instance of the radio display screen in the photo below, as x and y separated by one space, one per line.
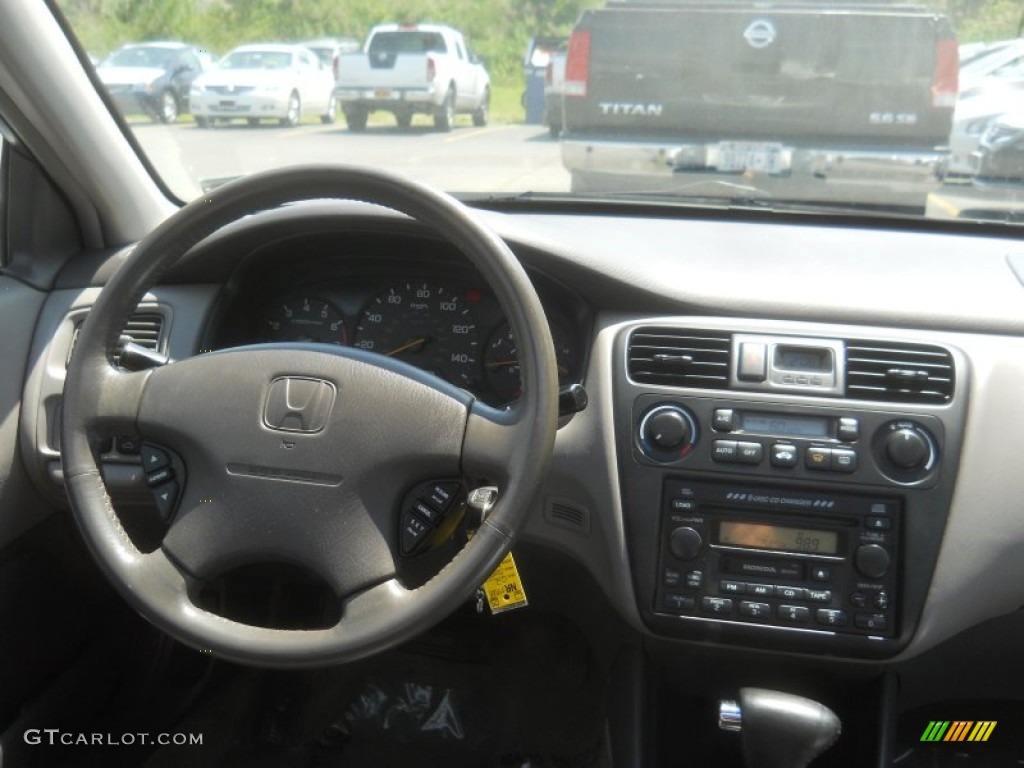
789 426
777 537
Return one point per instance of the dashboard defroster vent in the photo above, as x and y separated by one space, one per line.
679 357
903 373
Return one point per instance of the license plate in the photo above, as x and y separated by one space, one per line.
383 93
751 156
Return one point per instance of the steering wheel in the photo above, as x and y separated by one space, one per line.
325 493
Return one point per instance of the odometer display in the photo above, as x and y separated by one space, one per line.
423 324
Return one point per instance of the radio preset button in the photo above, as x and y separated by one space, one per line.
872 560
729 587
723 450
676 602
749 453
721 606
875 621
789 593
818 458
784 455
818 595
797 614
848 430
831 617
755 610
724 420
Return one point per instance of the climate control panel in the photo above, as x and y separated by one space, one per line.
788 441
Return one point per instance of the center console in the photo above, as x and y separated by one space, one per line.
785 490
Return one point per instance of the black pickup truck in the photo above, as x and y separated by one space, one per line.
793 101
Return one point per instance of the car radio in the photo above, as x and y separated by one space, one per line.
800 560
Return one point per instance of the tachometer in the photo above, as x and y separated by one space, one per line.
304 319
426 325
501 361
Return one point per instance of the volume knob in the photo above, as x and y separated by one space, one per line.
685 542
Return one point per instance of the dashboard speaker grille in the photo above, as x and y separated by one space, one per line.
679 357
904 373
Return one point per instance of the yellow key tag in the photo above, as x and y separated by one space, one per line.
504 589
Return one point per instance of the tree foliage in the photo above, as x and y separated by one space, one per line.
498 29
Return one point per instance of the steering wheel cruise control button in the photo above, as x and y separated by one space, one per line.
165 497
414 533
153 458
159 477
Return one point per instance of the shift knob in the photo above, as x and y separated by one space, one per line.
779 730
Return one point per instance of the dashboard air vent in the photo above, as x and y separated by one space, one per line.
904 373
144 328
679 357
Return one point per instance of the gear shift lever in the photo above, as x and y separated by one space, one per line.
779 730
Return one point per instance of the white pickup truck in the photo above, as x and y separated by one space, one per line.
410 68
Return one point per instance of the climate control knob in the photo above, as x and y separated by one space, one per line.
685 542
907 448
667 432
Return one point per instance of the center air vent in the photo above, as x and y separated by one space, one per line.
143 328
679 357
901 373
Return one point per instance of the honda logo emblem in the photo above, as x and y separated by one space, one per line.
298 404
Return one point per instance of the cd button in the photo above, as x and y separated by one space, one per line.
755 610
818 458
723 450
790 593
783 455
749 453
797 614
761 590
721 606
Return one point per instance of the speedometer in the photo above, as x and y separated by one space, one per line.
426 325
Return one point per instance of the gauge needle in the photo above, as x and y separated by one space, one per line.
503 363
407 346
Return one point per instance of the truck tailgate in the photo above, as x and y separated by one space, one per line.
393 71
791 74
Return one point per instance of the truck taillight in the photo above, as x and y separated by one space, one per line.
431 69
946 76
577 64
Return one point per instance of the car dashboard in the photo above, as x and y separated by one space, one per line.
800 434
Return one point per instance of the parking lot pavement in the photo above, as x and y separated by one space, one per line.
499 158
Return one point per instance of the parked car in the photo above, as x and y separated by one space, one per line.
1000 154
409 69
265 81
152 78
998 65
854 107
972 117
330 49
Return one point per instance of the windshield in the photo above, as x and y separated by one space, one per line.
813 105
